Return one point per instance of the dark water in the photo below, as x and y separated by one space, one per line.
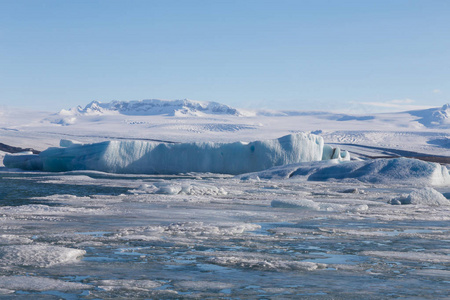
18 189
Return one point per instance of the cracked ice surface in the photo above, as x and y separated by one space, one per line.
90 235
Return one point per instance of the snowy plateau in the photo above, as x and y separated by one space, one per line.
182 199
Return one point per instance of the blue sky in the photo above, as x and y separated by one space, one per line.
305 55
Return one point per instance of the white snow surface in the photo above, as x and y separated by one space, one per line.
364 135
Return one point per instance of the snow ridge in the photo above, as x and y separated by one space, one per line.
442 116
184 107
434 117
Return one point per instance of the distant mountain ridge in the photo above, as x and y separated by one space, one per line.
434 117
184 107
438 117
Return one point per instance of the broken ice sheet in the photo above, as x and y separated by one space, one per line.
149 245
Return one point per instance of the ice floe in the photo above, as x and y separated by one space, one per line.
413 256
261 262
186 189
38 255
136 285
34 283
310 204
425 196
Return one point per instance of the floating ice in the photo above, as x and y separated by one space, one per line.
309 204
140 157
203 285
34 283
426 196
373 171
136 285
261 262
412 255
8 239
298 203
38 255
189 189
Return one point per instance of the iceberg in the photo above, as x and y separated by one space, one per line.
379 171
142 157
426 196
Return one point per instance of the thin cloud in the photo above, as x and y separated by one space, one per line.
396 105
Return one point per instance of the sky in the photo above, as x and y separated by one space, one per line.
361 56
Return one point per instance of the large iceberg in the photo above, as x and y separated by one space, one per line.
141 157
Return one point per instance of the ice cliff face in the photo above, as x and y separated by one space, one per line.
155 107
140 157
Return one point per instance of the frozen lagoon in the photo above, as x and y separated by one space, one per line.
90 235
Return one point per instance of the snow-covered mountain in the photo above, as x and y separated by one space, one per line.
434 117
184 107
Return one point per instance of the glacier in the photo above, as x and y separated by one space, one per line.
143 157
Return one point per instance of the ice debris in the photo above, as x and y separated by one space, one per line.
426 196
142 157
189 189
35 283
136 285
38 255
312 205
261 262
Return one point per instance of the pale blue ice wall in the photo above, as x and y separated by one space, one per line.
228 158
141 157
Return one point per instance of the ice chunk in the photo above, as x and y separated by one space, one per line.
412 255
38 255
260 262
309 204
141 157
23 160
403 170
34 283
298 203
136 285
8 239
188 189
334 153
68 143
426 196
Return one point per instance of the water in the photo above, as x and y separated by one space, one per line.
233 246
